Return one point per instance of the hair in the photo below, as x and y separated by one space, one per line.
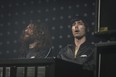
41 35
80 18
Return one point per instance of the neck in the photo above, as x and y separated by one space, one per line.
78 42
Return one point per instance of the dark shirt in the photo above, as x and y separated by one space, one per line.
84 57
36 53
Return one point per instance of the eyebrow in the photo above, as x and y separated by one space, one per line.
78 22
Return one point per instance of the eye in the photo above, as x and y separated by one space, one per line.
73 23
80 22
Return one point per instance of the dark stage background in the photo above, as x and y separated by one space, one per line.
15 15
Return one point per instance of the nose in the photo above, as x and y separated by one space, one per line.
76 26
25 30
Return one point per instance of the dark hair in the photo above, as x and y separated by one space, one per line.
77 18
41 35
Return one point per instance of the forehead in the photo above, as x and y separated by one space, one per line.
78 22
30 26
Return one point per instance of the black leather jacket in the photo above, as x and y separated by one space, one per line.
85 55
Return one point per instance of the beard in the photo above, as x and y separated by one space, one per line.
28 40
79 36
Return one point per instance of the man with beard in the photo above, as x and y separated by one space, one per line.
35 42
81 51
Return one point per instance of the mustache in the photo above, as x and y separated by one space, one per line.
77 30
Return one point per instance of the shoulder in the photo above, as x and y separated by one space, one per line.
68 46
88 44
65 48
88 47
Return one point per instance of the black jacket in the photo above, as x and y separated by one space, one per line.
35 53
85 55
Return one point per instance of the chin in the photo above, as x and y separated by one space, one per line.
26 36
78 37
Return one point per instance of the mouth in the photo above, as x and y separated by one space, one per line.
26 33
77 31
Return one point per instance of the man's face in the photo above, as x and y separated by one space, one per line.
78 29
29 30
